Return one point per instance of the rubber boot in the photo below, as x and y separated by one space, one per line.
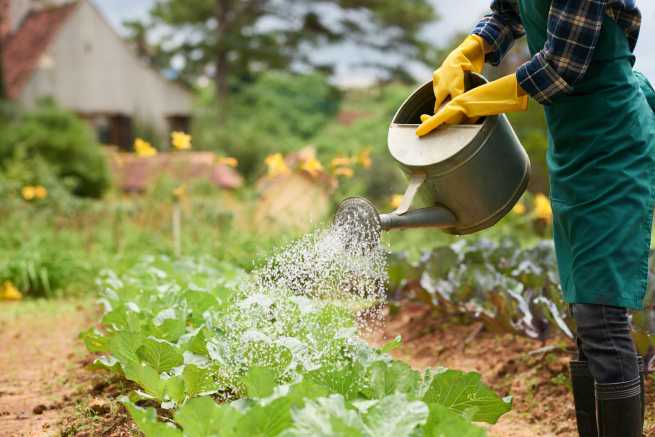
584 396
618 409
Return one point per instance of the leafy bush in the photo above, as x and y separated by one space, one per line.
62 141
280 112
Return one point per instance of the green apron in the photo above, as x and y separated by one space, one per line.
601 160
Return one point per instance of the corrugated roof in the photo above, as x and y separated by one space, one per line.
24 48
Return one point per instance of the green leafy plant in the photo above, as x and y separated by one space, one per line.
189 333
508 287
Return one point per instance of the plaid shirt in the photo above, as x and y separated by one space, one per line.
574 28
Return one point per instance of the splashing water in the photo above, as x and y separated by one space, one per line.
305 307
327 264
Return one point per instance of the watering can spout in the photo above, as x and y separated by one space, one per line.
363 220
435 217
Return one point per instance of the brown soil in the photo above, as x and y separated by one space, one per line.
534 373
44 381
35 368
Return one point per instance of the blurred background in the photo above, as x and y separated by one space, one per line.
221 127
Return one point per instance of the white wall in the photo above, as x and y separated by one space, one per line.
90 69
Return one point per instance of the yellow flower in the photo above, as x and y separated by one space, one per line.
542 209
364 158
181 140
344 171
395 201
276 165
519 208
143 148
180 192
340 161
28 192
312 166
40 192
228 161
8 291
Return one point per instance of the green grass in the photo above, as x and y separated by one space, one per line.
42 308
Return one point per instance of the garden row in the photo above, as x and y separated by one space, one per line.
213 354
505 286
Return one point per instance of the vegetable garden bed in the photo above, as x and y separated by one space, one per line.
210 359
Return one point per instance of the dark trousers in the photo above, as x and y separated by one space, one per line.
604 341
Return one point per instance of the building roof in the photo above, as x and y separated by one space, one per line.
24 48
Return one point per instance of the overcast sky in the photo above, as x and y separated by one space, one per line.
457 16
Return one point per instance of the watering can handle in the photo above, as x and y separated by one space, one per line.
415 183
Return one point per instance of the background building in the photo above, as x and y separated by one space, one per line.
69 51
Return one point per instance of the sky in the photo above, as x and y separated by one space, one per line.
456 16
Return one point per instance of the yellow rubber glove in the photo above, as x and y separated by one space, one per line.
448 80
497 97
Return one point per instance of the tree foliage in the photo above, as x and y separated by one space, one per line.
230 39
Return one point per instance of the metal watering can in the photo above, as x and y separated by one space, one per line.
465 178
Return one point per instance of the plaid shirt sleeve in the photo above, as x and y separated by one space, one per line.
574 27
500 28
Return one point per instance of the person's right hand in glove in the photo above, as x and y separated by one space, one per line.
448 80
497 97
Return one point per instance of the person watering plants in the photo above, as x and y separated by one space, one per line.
601 159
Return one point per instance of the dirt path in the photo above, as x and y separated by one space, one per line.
39 364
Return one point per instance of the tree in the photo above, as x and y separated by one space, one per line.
233 40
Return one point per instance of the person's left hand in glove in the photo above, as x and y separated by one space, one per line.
497 97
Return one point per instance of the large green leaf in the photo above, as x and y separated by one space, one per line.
122 318
304 391
260 382
169 329
443 422
198 381
196 343
266 421
343 381
160 355
147 378
466 393
174 390
199 302
389 378
123 345
395 416
327 417
146 420
203 417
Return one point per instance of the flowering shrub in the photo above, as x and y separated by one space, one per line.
63 141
